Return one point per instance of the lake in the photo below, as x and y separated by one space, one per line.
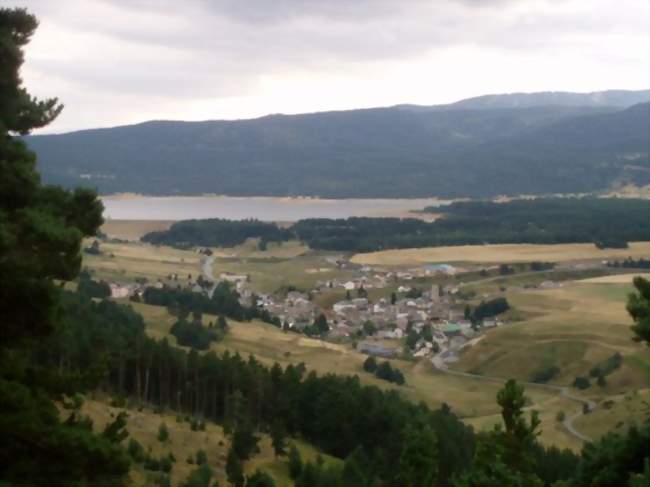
261 208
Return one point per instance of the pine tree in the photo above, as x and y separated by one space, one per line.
234 469
638 306
41 231
295 462
278 438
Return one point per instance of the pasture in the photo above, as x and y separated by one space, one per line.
133 229
574 328
504 253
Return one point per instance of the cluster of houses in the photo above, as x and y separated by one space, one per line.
384 324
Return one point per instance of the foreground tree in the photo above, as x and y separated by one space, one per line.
41 230
638 305
506 456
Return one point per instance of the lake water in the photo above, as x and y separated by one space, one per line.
261 208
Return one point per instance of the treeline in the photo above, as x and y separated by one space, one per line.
606 222
630 263
224 301
216 232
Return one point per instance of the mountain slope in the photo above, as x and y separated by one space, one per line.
384 152
610 98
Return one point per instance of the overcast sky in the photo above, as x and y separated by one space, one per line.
116 62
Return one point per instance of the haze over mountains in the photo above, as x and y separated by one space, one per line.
480 147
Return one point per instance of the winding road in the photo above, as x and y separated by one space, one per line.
439 364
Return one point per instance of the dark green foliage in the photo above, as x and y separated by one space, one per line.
357 470
581 383
321 325
163 433
201 457
611 243
369 328
278 438
224 301
541 266
553 464
216 232
386 372
115 431
418 463
67 451
93 249
383 152
370 364
543 221
638 305
545 374
244 442
614 459
295 462
194 334
507 456
491 308
136 451
630 263
607 366
199 477
506 270
260 479
41 231
234 469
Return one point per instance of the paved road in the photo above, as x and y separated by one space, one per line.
439 365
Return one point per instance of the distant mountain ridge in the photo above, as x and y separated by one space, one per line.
480 147
610 98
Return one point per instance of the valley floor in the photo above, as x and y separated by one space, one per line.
574 325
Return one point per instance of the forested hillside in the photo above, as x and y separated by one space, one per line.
450 151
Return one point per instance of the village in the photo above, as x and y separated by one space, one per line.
413 317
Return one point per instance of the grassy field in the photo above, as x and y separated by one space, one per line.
268 274
281 265
500 254
133 229
617 413
468 397
574 327
124 262
183 442
615 279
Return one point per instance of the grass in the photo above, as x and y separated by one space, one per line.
573 327
616 413
615 279
123 262
468 397
500 254
133 229
143 426
271 273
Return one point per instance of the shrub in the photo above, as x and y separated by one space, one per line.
163 432
545 374
581 383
